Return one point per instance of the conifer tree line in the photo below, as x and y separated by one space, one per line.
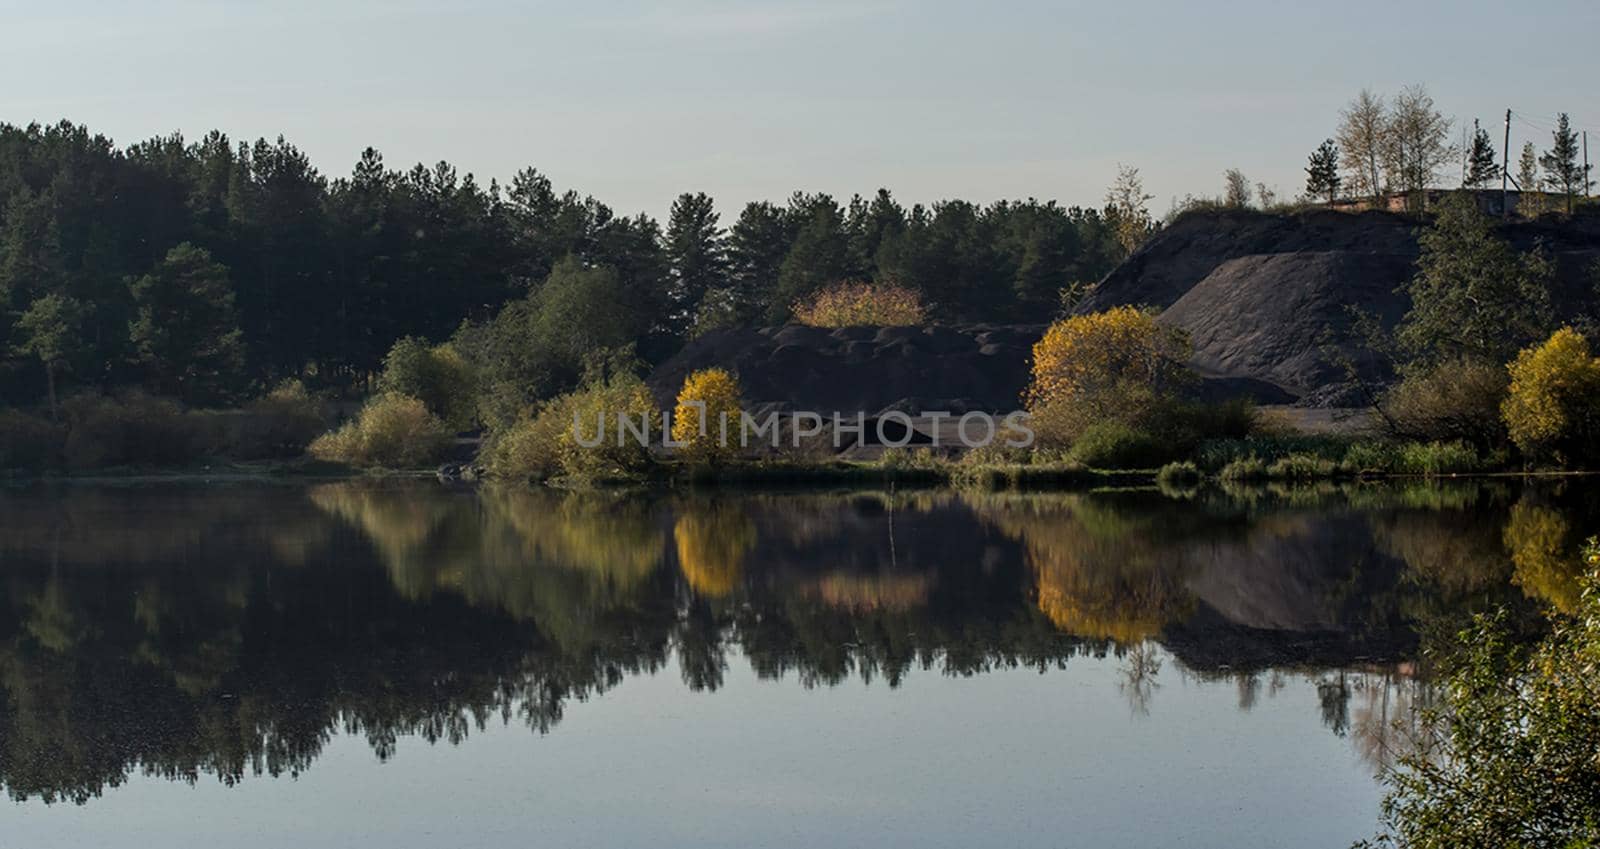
209 269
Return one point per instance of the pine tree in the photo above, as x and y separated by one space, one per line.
1561 166
1322 172
757 245
697 258
1532 203
1481 166
185 331
1473 294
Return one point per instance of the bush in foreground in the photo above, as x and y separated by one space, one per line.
392 430
1510 759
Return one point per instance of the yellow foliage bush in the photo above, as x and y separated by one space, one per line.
1115 365
857 304
715 437
1553 407
392 430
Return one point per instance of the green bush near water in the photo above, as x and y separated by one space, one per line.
1303 467
394 431
1244 470
1114 445
28 442
1179 474
543 445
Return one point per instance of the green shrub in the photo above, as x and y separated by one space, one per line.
1456 399
997 454
392 430
29 442
132 429
1179 474
1213 454
1439 458
1244 470
530 449
279 424
1373 457
1114 445
894 457
543 445
436 375
1302 467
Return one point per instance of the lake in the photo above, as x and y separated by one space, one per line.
395 664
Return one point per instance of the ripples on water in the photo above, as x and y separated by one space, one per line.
235 632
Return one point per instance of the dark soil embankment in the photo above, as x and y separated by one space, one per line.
1272 297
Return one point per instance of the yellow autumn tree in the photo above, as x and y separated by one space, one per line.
1552 410
1115 365
857 304
706 418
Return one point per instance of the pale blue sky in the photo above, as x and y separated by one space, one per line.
634 102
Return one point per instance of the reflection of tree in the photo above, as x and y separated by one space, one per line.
712 540
1540 543
391 610
1384 720
1140 666
1333 694
883 591
1099 573
1454 550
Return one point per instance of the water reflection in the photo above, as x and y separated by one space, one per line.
229 631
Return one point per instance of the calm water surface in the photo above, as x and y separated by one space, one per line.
387 664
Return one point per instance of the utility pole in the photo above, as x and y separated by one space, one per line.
1505 169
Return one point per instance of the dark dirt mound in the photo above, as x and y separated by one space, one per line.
1285 318
864 369
1183 253
1271 298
